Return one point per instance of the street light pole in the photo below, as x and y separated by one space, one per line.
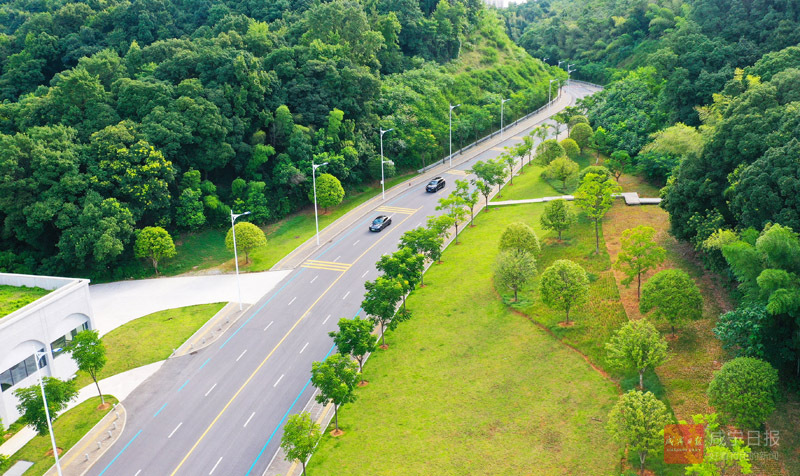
550 92
559 63
314 168
234 216
569 70
502 103
383 187
47 412
451 132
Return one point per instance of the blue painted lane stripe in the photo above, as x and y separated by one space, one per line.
159 410
285 416
184 384
262 307
118 454
368 220
204 363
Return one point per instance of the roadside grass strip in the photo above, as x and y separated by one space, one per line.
472 386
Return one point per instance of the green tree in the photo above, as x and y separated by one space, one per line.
440 225
519 236
31 406
720 454
155 244
189 212
581 133
336 379
300 437
638 255
743 331
548 151
575 120
405 267
618 163
638 346
489 174
558 216
561 169
744 391
510 161
380 303
354 338
329 191
89 354
470 199
564 285
571 148
453 205
673 295
248 238
637 421
595 197
514 268
424 241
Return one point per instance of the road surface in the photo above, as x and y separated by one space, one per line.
221 410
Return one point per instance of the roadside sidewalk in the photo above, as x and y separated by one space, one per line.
120 386
304 251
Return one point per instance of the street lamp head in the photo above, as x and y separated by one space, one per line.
316 166
505 100
453 107
384 131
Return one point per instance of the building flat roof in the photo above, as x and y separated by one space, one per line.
17 297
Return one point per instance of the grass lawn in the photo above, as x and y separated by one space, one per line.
16 297
531 183
150 338
470 386
69 428
206 249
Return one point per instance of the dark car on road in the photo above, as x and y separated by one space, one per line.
435 185
380 222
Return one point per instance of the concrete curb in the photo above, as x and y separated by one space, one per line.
206 336
74 462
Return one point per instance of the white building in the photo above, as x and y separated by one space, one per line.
45 325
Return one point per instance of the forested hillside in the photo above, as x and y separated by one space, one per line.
119 114
703 95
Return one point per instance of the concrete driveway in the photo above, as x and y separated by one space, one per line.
117 303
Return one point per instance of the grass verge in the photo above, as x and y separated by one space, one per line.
151 338
68 428
469 386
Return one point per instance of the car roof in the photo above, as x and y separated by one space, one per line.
436 178
380 216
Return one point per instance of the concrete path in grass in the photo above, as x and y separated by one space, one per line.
631 198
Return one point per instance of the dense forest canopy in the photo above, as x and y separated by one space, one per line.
119 114
703 94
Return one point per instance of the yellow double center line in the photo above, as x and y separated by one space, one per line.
227 405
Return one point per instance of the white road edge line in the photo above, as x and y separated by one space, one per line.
365 273
326 319
210 389
354 244
345 296
315 278
248 420
137 473
268 325
173 431
215 466
337 258
304 348
279 381
241 355
290 302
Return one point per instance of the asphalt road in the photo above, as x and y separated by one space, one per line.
221 410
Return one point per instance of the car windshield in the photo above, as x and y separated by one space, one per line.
433 182
377 221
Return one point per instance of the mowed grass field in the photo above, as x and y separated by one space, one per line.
472 386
